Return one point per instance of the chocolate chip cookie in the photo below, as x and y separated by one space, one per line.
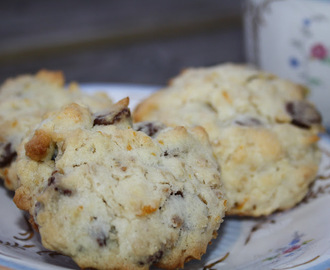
263 130
113 196
23 101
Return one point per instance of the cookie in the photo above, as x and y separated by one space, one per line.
113 196
23 101
263 131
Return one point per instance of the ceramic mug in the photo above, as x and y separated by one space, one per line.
291 38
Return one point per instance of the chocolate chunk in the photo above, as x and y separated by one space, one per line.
149 128
178 193
102 240
107 238
172 153
54 180
67 192
300 124
112 117
155 257
63 191
51 180
7 154
303 114
55 153
152 258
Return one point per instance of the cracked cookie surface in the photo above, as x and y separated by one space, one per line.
116 197
23 101
263 130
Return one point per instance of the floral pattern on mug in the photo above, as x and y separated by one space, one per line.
319 51
307 52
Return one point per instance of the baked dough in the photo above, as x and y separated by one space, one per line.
263 131
23 102
116 197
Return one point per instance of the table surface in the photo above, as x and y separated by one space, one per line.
144 42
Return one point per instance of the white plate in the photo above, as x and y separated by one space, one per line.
298 238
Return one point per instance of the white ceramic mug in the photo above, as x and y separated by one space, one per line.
291 38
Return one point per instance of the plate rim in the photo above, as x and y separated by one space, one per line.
17 263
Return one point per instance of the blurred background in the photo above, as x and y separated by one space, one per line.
145 42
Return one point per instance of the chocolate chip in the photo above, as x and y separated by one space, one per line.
7 154
152 259
112 117
297 123
102 240
109 238
67 192
303 114
149 128
62 191
172 153
55 153
155 257
54 180
178 193
51 180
